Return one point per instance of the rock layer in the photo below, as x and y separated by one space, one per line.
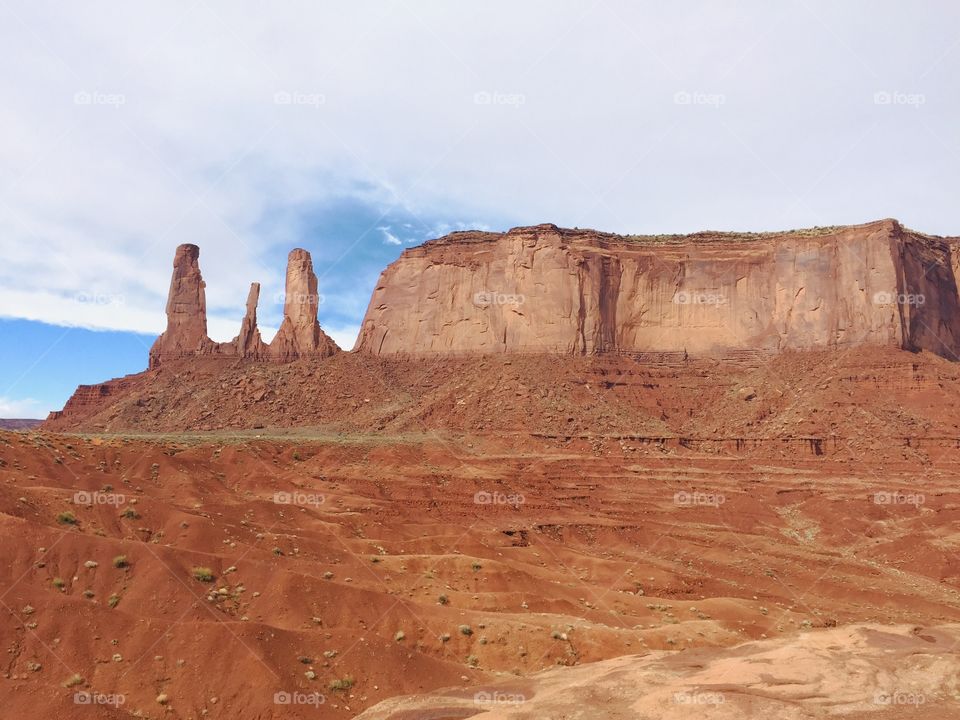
546 289
300 335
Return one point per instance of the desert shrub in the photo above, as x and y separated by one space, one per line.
341 684
203 574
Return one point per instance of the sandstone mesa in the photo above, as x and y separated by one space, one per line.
547 289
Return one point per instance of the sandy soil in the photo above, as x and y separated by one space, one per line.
402 564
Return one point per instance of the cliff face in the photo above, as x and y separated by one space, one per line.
544 289
300 335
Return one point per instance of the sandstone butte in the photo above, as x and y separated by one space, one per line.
551 290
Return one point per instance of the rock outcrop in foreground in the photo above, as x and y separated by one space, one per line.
547 289
853 671
300 335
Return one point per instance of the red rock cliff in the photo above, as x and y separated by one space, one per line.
546 289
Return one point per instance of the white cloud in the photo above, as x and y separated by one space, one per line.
344 336
112 314
388 237
443 228
405 105
18 408
59 309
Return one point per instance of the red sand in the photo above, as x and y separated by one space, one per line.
589 549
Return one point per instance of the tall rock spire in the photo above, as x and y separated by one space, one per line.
186 332
248 342
300 334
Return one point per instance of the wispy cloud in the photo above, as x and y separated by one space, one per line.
388 237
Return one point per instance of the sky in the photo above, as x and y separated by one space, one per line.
358 129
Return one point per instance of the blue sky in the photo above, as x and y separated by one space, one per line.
357 129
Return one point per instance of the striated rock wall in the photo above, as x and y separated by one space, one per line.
300 335
87 398
545 289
